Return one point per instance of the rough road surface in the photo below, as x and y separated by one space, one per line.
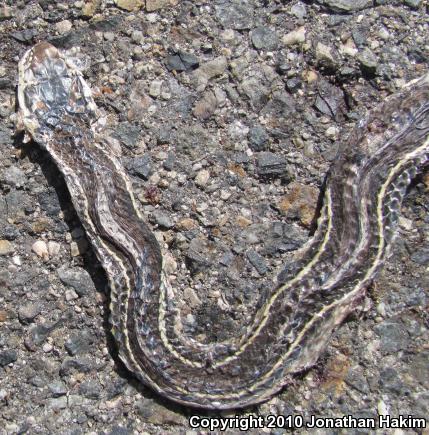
228 114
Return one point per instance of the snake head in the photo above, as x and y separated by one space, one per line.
50 86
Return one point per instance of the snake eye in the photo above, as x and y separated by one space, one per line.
46 93
59 68
39 70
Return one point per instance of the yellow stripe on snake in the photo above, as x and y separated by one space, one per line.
364 190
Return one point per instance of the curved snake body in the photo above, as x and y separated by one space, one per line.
365 187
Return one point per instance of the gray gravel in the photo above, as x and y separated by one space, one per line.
228 114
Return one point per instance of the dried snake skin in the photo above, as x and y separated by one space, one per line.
365 187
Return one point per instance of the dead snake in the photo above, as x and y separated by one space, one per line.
364 190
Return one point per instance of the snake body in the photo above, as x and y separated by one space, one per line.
364 190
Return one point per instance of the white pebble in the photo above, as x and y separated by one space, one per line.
324 53
332 132
405 223
382 408
53 248
41 249
47 347
202 206
63 26
16 260
384 34
349 48
295 37
224 195
170 264
155 88
202 178
227 35
71 295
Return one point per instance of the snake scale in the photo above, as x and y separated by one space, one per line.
364 190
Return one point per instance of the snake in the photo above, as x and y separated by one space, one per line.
327 280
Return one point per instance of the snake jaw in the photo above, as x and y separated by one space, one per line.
25 121
26 124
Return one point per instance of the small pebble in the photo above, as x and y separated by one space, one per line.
191 297
28 312
162 219
63 26
14 176
298 10
7 357
225 195
264 38
77 278
6 247
47 347
41 249
109 36
170 264
368 61
227 35
154 5
202 178
324 53
78 247
130 5
71 295
155 88
295 37
53 248
186 224
332 132
137 36
16 259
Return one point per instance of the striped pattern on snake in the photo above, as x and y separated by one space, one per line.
364 190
